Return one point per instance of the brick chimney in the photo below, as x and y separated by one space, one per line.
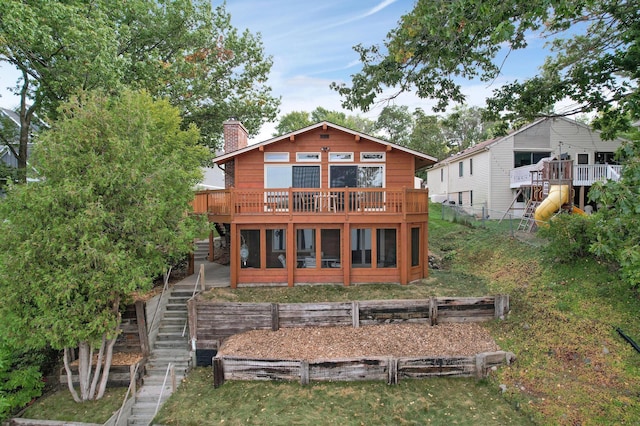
235 135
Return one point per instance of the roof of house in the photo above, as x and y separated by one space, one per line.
422 160
12 115
486 145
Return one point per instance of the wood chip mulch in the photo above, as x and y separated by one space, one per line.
397 340
119 358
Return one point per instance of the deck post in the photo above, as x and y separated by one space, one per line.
234 256
346 254
404 257
142 327
292 260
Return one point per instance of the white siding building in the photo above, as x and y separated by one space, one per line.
491 173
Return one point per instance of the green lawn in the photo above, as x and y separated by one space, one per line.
61 406
419 402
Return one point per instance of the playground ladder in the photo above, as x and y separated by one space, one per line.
527 221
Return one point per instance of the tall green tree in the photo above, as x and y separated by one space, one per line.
464 127
184 50
299 119
618 221
437 45
396 122
109 215
293 121
427 136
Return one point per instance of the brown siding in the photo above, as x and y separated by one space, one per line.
400 166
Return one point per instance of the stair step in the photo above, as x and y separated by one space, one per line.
179 299
171 337
160 368
172 345
174 323
169 353
173 328
176 307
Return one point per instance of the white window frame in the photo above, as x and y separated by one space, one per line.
284 159
332 159
381 156
300 157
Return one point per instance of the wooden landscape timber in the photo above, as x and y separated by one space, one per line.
353 369
210 323
119 375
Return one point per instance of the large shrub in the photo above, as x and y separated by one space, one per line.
20 379
570 236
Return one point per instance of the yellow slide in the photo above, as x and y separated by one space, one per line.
579 211
558 195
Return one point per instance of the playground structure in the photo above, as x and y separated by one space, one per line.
550 192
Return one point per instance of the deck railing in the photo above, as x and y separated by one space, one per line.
230 202
583 174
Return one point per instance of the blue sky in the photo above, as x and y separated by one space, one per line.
311 42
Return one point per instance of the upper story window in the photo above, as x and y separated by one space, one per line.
460 169
526 158
441 175
307 157
340 156
290 176
356 176
470 166
272 157
583 158
372 156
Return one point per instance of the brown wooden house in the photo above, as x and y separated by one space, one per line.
324 204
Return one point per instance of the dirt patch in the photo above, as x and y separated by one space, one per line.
397 340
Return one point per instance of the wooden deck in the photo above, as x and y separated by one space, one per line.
294 204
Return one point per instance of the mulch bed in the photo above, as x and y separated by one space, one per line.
396 340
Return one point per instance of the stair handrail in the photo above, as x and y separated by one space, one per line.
164 288
195 290
126 396
164 383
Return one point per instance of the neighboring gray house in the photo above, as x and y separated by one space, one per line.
491 174
213 178
13 119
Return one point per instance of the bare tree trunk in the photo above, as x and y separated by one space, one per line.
110 344
84 368
67 368
26 115
107 366
96 373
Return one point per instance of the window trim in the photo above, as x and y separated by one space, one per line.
290 166
341 160
268 160
382 156
310 159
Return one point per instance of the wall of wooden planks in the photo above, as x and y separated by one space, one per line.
212 322
353 369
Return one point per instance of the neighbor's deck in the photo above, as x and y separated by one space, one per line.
321 205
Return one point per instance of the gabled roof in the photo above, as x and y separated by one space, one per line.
422 160
486 145
36 123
